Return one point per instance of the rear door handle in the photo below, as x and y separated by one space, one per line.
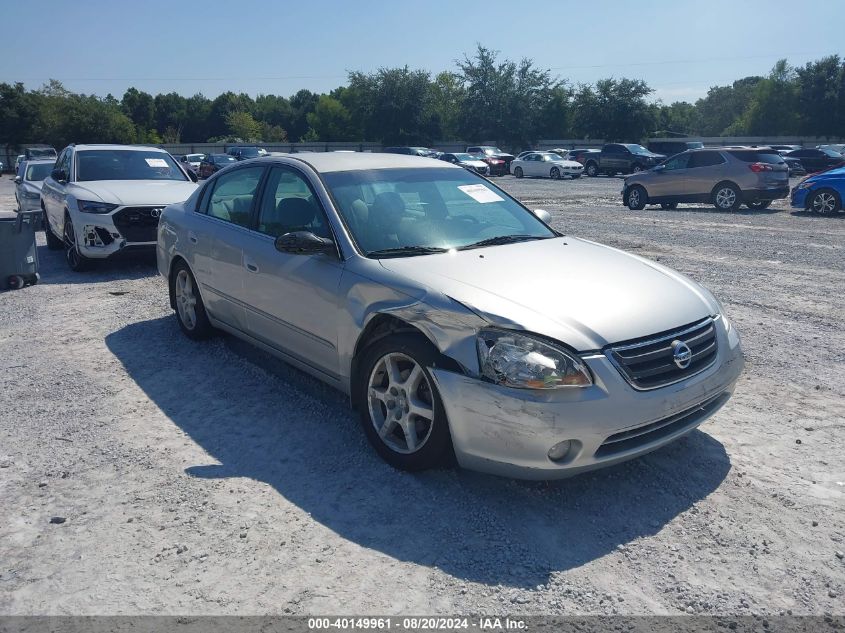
192 237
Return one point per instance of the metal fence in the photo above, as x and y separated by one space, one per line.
8 155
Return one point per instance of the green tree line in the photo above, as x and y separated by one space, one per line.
514 103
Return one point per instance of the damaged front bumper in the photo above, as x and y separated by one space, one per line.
511 432
101 236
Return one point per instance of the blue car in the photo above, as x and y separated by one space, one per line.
822 193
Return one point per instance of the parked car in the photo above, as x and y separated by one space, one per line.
402 282
822 193
18 160
546 165
725 177
491 156
2 167
411 151
40 152
100 200
191 161
670 148
621 158
815 160
796 168
784 149
578 155
836 147
28 183
245 152
467 161
212 163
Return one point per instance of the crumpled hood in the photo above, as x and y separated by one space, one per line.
135 192
580 293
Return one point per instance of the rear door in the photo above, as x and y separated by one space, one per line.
704 171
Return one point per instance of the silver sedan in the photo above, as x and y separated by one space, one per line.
458 321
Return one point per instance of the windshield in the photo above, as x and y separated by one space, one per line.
637 149
38 172
465 157
193 158
42 153
122 164
430 208
832 153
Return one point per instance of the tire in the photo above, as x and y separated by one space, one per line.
555 173
190 310
517 172
667 206
404 440
76 261
825 201
727 196
636 169
592 170
758 205
15 282
637 198
53 242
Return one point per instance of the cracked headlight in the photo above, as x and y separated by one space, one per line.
527 362
92 206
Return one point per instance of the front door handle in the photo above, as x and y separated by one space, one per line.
192 237
250 265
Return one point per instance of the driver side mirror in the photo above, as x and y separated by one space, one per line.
543 215
58 175
304 243
18 180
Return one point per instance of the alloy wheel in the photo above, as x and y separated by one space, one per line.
186 300
69 238
725 198
401 403
824 202
634 198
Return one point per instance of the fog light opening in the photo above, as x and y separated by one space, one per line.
564 451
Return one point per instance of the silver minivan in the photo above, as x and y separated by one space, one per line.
725 176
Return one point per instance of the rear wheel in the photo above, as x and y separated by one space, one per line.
555 173
637 198
758 205
517 172
401 411
727 197
75 260
190 311
825 201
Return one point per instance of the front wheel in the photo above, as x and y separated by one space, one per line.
825 201
517 172
555 173
637 198
75 260
401 411
592 170
637 169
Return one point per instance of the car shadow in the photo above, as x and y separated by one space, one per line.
262 419
687 208
803 213
53 269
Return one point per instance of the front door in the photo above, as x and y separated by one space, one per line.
291 300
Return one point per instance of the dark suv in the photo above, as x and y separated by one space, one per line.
246 152
724 176
670 148
411 151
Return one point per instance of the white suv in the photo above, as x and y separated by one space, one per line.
104 199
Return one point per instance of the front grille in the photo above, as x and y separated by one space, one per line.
649 433
137 224
649 363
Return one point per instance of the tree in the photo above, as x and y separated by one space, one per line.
140 108
773 109
18 114
171 110
724 105
330 120
222 107
819 102
674 119
243 126
301 104
446 97
614 110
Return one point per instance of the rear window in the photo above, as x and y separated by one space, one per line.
753 156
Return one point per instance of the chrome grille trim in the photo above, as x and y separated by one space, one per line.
654 366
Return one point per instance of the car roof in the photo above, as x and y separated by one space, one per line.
325 162
132 148
51 161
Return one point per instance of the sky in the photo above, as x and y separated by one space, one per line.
679 47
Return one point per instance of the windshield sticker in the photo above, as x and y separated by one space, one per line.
480 193
156 162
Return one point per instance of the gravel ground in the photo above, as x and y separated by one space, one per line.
141 473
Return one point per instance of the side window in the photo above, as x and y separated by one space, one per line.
66 163
705 159
680 161
612 149
289 205
233 193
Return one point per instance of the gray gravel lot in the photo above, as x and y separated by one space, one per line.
209 478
